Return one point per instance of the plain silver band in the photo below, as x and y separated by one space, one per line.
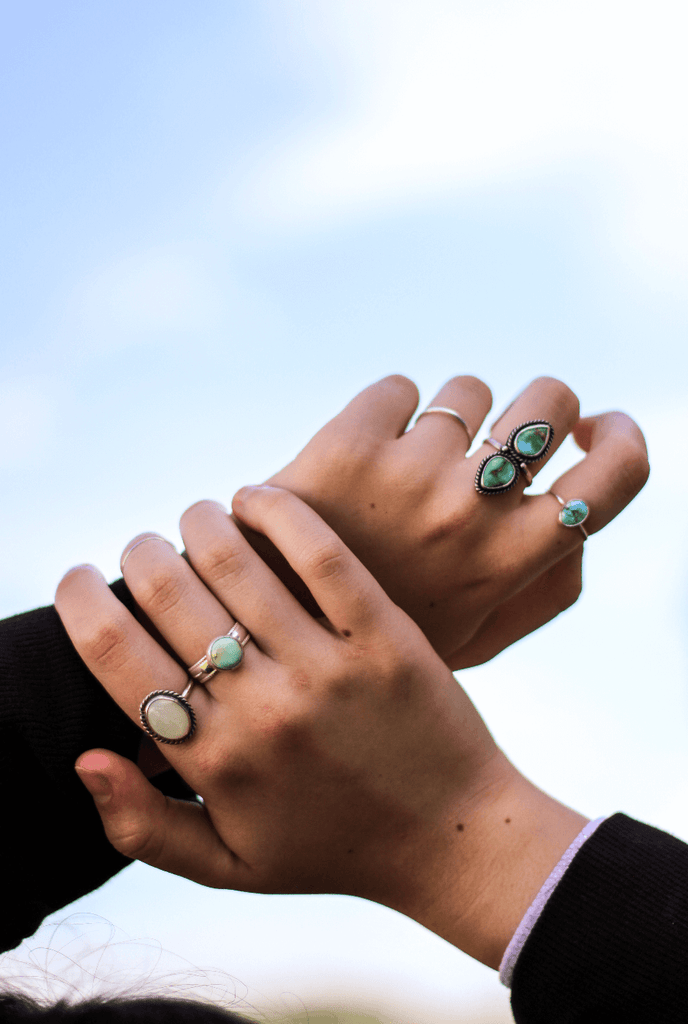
200 671
500 447
449 412
144 540
579 525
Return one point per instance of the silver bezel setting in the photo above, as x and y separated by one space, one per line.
503 453
178 699
511 441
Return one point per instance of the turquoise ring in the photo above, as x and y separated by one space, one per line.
526 443
167 716
224 654
573 513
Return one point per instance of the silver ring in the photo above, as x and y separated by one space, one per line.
502 447
224 654
144 540
449 412
167 716
573 513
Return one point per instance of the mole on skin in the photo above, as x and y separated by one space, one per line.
459 827
372 504
346 632
507 821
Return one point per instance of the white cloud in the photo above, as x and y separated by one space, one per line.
454 95
156 292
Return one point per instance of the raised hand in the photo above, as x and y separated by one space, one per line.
340 756
475 572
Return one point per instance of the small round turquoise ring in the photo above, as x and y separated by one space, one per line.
224 654
573 513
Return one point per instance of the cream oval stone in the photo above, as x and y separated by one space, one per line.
168 718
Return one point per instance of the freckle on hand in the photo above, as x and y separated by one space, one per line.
459 827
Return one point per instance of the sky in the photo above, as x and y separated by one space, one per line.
220 222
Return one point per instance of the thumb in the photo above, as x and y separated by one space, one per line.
142 823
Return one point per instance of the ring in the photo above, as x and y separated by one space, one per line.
522 466
449 412
573 513
526 443
224 653
167 716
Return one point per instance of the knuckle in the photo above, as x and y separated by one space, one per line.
75 577
400 385
324 563
470 385
136 839
106 645
160 591
220 562
562 400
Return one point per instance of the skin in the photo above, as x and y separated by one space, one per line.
341 756
443 828
476 573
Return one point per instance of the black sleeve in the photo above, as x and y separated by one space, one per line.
52 709
612 941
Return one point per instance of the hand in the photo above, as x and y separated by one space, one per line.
476 573
341 756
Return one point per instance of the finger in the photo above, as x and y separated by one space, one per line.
439 435
186 613
545 399
383 410
239 578
349 596
614 470
118 650
141 823
555 590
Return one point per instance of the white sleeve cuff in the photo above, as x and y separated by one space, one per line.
518 941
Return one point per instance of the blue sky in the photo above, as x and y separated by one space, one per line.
222 221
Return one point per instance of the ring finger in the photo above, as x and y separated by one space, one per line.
545 400
450 422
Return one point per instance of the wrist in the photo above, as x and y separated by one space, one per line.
490 860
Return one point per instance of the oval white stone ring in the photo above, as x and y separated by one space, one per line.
167 716
224 654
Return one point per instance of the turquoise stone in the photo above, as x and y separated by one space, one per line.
225 653
532 440
574 512
497 473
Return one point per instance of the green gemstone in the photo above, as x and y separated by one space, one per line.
225 653
532 440
497 473
574 512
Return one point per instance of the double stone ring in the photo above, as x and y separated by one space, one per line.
526 443
167 716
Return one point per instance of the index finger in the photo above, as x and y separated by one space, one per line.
347 593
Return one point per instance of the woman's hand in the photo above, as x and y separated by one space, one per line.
476 573
341 756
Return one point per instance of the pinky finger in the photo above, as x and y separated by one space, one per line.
143 824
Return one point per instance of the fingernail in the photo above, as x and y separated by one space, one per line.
98 784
